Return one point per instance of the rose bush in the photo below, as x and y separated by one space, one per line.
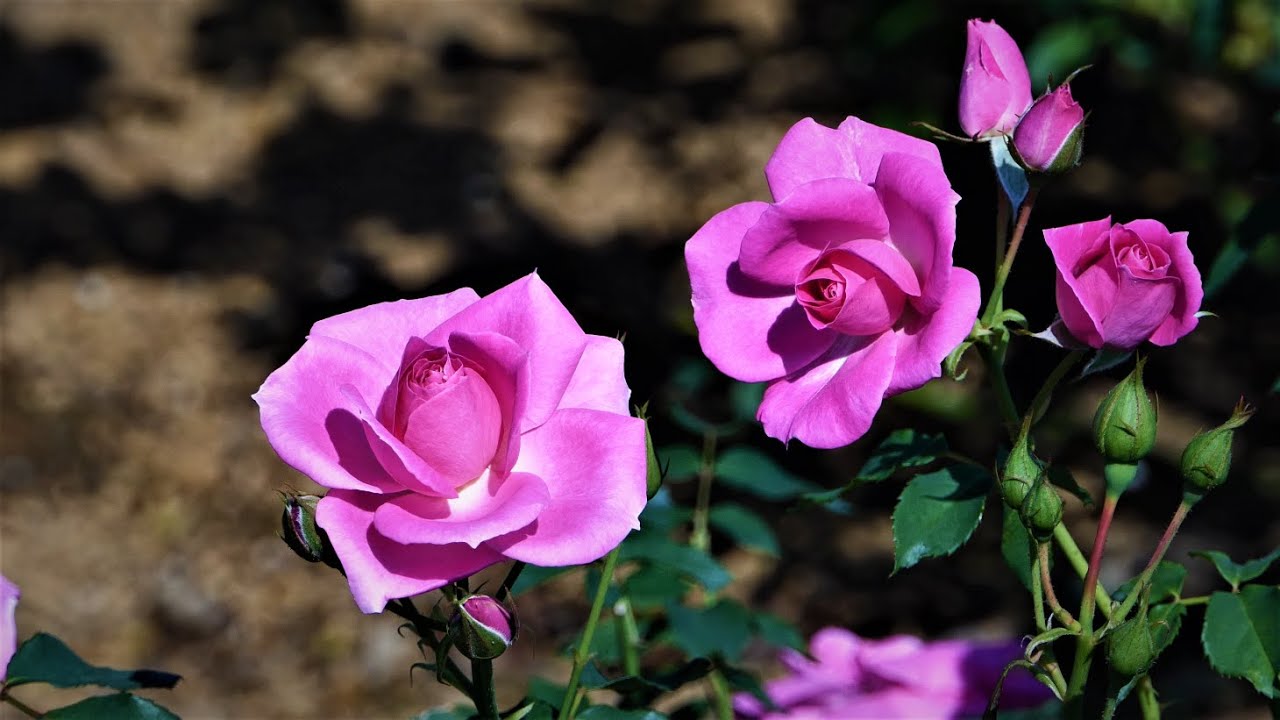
995 87
841 292
455 432
897 677
1118 285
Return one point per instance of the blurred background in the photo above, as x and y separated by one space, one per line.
187 185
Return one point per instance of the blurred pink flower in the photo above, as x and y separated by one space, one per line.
455 432
995 87
9 594
898 677
841 292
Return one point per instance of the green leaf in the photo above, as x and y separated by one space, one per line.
680 461
1060 476
605 712
745 527
722 629
778 632
44 658
653 586
532 576
646 689
662 515
117 706
902 449
1017 547
751 471
1105 359
1166 583
937 512
1166 623
545 691
740 679
1241 636
1237 573
745 399
535 710
695 564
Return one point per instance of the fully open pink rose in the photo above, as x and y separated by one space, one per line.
455 432
995 87
1119 285
897 677
841 292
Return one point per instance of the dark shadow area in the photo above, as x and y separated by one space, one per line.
242 42
43 85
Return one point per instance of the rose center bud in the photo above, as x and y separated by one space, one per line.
1146 261
844 292
447 414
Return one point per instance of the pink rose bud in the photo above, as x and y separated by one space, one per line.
995 87
1049 137
483 628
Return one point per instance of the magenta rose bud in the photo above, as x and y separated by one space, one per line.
995 87
1050 136
455 432
840 292
483 628
9 595
1120 285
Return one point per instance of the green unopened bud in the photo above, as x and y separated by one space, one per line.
654 477
302 535
1207 458
1131 649
1041 510
1124 428
1021 470
483 628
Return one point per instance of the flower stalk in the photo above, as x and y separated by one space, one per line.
580 654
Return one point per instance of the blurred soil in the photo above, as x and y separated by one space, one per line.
185 186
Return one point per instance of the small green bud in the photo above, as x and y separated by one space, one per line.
1021 470
302 535
1124 428
483 628
1119 477
1207 458
1041 510
655 474
1131 649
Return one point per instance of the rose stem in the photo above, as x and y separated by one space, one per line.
509 581
1086 640
628 634
485 698
1037 598
1147 701
426 628
21 706
1002 274
700 538
1058 611
570 702
1002 223
1174 523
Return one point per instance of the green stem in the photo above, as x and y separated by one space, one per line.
628 635
700 537
1161 548
996 300
1198 600
509 581
1074 701
1067 545
1058 611
1003 209
1147 700
426 628
1041 400
22 707
485 698
1087 599
1037 599
583 651
1004 396
722 696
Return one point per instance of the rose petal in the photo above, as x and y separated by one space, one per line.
924 341
810 151
531 315
594 465
816 216
921 208
9 595
833 402
505 366
1182 319
885 258
872 143
311 422
458 428
598 382
489 507
379 569
750 331
404 465
384 329
1080 305
1139 307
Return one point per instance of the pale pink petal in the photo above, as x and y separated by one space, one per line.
833 402
384 329
872 142
505 366
921 207
598 382
311 421
790 235
379 569
750 331
594 465
810 151
924 341
489 507
530 314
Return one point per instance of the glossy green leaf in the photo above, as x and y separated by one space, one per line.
46 659
1241 636
937 512
904 448
745 527
117 706
1017 546
1237 573
1166 583
751 471
720 630
695 564
605 712
653 586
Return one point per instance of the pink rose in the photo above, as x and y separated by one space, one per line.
455 432
840 292
1049 138
9 595
1123 284
898 677
995 87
